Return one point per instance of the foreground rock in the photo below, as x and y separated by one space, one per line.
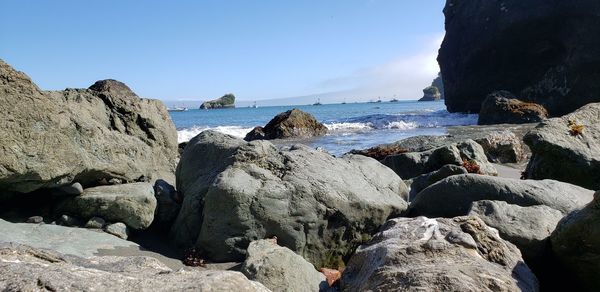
454 195
567 148
225 101
421 182
576 243
23 268
540 50
133 204
291 124
421 254
503 107
51 139
528 228
412 164
319 206
503 147
280 269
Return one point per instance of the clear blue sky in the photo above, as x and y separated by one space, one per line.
174 50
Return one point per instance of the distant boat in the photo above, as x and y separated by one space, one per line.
344 102
394 100
379 100
177 109
318 102
254 105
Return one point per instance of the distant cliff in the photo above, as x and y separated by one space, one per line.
543 51
225 101
435 91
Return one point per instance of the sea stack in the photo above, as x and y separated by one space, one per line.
225 101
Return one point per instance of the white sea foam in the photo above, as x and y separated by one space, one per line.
349 126
185 135
402 125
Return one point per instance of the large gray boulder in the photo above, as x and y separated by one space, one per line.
503 147
290 124
576 243
502 107
453 196
421 254
280 269
528 228
51 139
319 206
564 151
421 182
24 268
132 204
541 50
411 164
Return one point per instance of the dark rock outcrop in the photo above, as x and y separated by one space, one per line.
543 51
422 254
567 148
52 139
431 93
319 206
291 124
502 107
225 101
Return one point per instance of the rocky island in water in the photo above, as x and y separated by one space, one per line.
97 195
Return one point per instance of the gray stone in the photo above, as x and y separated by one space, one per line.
133 204
24 268
562 154
51 139
71 190
35 219
503 147
280 269
576 243
528 228
453 196
421 254
117 229
69 221
421 182
412 164
319 206
290 124
167 203
95 222
502 107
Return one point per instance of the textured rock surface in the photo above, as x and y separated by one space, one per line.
528 228
74 241
421 182
24 268
421 254
503 147
51 139
431 93
291 124
540 50
133 204
502 107
225 101
412 164
118 229
168 203
576 243
317 205
559 154
280 269
453 196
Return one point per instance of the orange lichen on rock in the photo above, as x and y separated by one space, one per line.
332 275
471 166
575 129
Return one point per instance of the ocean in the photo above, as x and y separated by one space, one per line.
351 125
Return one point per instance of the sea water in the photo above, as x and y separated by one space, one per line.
351 125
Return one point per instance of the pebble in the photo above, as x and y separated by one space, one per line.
95 222
35 219
118 229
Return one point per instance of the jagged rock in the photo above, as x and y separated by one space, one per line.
280 269
23 268
502 147
431 93
319 206
412 164
291 124
576 243
225 101
559 152
503 107
454 195
528 228
421 182
95 222
421 254
51 139
133 204
540 50
117 229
